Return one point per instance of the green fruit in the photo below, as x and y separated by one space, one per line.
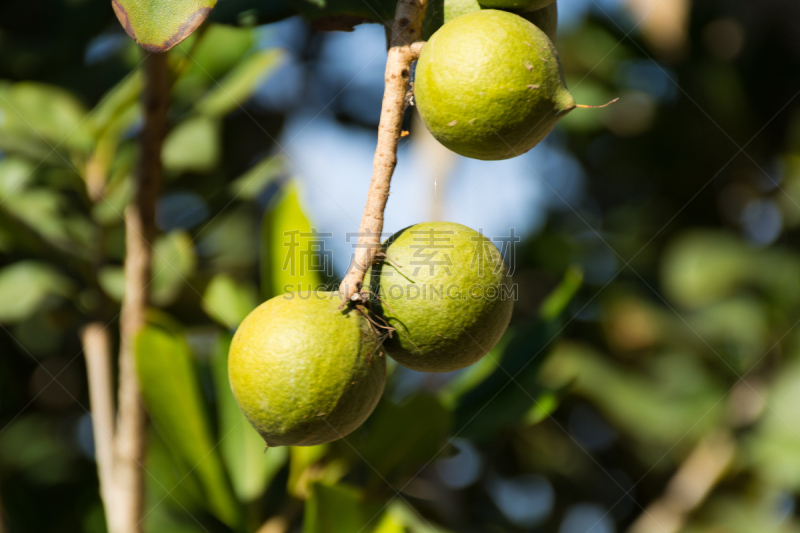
489 85
446 290
517 4
303 372
546 19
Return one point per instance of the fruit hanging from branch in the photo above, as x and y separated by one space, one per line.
446 291
304 372
489 85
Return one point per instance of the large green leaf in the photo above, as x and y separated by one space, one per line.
398 440
251 468
172 394
287 244
158 25
507 395
25 287
228 301
335 509
238 86
42 121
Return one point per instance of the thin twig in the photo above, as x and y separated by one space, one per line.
689 487
97 351
403 50
140 232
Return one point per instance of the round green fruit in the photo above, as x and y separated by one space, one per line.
304 372
446 291
489 85
517 4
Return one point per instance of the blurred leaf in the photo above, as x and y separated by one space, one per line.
158 25
25 286
174 261
251 12
250 466
301 458
174 401
676 399
557 301
252 183
506 396
700 268
287 248
169 480
112 281
587 92
400 512
398 440
220 48
42 115
238 85
120 98
193 146
336 509
31 445
227 301
15 174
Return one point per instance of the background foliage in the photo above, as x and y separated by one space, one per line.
658 271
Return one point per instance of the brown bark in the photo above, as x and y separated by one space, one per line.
404 48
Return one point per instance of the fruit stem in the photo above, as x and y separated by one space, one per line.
404 48
584 106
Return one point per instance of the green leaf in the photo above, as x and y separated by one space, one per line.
227 301
193 146
287 244
336 509
251 468
174 261
508 394
25 287
252 12
252 183
112 281
172 394
38 118
158 25
300 459
15 173
238 86
399 439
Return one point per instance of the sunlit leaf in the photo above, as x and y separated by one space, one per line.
250 466
172 394
288 243
301 458
15 174
25 286
238 86
193 146
158 25
228 301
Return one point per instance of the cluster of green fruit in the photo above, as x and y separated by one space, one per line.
306 372
489 83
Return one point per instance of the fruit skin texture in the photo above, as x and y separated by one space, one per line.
446 329
303 372
489 85
517 4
